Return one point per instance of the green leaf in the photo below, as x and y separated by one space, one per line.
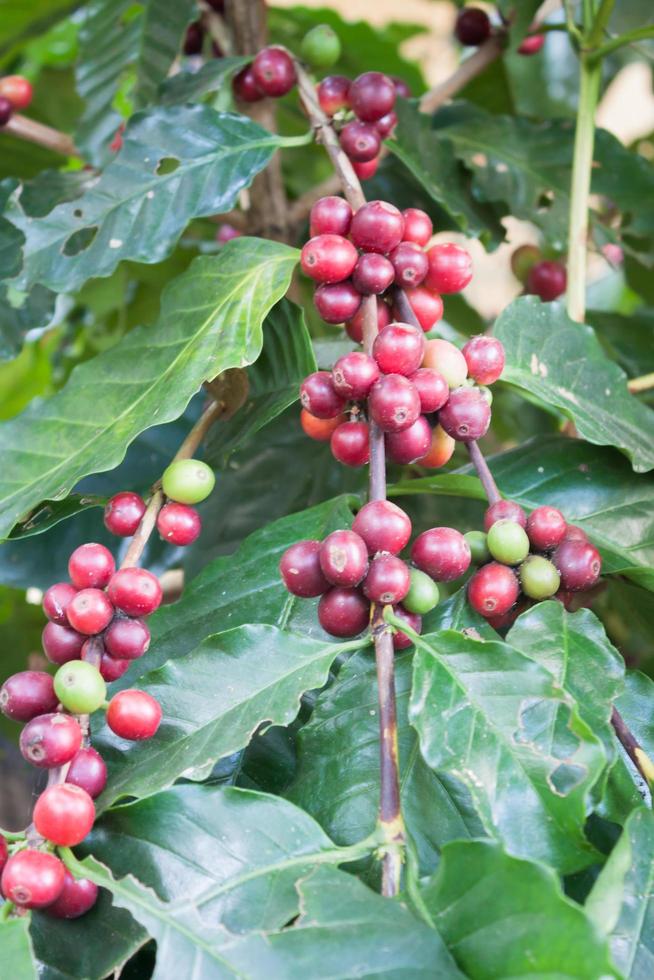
561 363
34 312
621 903
164 25
17 954
190 86
133 211
635 706
628 339
505 917
210 321
23 20
498 722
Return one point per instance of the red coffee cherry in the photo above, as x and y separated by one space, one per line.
91 566
123 514
77 896
372 274
574 533
330 216
504 510
50 740
377 227
400 640
365 169
360 141
179 524
90 611
6 110
466 416
386 124
354 327
472 27
319 397
546 527
88 771
135 591
394 403
418 227
61 643
64 814
134 715
432 388
532 44
300 569
111 669
337 302
343 612
450 268
427 307
387 581
441 449
127 639
353 375
383 526
350 444
245 86
328 258
485 359
333 94
27 694
493 590
227 232
372 95
274 71
579 565
56 600
399 349
17 90
410 264
32 879
409 445
402 89
344 558
548 280
319 429
441 552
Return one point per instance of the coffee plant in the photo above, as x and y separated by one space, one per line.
325 586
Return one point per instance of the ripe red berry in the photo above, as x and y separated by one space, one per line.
399 349
134 715
333 92
373 273
386 124
344 558
579 565
91 566
383 526
450 268
493 589
64 814
394 403
319 397
485 359
372 95
61 643
418 227
400 640
441 552
472 27
50 740
6 110
466 416
300 569
409 445
337 302
504 510
365 169
32 879
123 513
574 533
548 280
127 639
17 90
56 600
354 327
343 612
410 264
546 527
532 44
274 71
360 141
330 216
354 375
441 449
227 232
328 258
135 591
90 611
432 388
245 86
377 227
77 896
401 87
350 443
427 306
388 580
111 669
319 429
88 771
179 524
27 694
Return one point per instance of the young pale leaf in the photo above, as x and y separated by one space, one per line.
210 321
16 947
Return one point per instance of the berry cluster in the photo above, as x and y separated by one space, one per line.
272 74
95 629
15 93
528 558
473 27
540 277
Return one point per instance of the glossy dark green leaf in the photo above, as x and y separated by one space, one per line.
628 339
41 194
17 954
190 86
11 238
34 312
210 321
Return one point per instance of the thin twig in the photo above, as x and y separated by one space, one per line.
643 383
632 747
483 472
485 55
42 135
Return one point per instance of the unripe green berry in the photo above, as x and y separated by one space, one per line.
188 481
321 46
508 542
80 687
478 547
423 593
523 259
539 578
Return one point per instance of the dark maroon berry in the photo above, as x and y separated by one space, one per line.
410 264
350 443
245 86
111 669
179 524
76 898
61 643
388 580
333 92
409 445
337 302
90 611
466 416
383 526
400 640
319 397
123 514
418 227
274 71
485 359
548 280
372 95
56 601
450 268
546 527
377 227
127 639
27 694
386 124
91 566
360 141
328 258
88 771
330 216
135 591
373 273
343 612
394 403
300 570
472 27
579 565
354 327
50 740
344 558
432 388
194 38
504 510
493 590
6 110
4 852
441 552
354 375
399 349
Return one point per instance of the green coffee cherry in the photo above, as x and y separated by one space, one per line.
508 542
478 546
422 595
188 481
538 577
321 47
80 687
